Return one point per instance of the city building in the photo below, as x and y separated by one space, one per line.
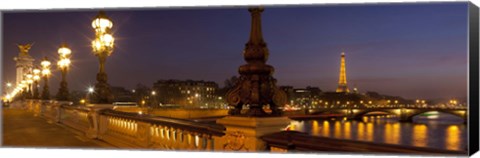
302 96
189 93
289 91
121 94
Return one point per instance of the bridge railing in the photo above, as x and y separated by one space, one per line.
74 117
294 141
130 130
156 132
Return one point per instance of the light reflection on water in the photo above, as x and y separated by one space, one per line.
441 131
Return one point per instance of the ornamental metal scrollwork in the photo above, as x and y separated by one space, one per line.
235 142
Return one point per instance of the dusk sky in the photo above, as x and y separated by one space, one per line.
416 50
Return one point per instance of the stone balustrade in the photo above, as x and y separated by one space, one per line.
74 117
142 131
129 130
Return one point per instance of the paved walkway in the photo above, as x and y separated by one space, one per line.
22 129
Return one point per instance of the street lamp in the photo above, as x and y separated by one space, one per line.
154 99
36 78
102 47
23 88
9 87
64 52
29 82
45 73
90 91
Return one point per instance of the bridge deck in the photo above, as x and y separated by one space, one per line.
22 129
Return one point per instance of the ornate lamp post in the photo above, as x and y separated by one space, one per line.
29 82
45 73
257 90
36 78
256 87
102 48
9 86
23 88
63 64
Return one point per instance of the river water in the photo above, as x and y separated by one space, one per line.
436 130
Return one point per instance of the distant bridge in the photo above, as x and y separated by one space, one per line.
404 114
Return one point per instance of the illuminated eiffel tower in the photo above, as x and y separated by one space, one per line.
342 81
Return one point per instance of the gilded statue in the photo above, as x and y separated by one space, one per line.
24 48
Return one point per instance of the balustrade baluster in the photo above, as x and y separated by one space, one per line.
199 141
208 142
161 133
167 133
135 127
180 136
190 140
174 135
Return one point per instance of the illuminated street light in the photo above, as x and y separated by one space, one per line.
64 52
8 98
36 78
9 87
28 82
90 90
453 102
45 73
102 47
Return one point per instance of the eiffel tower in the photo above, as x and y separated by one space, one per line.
342 81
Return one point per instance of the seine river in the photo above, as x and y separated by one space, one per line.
436 130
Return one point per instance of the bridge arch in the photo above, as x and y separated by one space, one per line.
358 115
459 113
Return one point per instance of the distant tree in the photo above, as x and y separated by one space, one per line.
229 83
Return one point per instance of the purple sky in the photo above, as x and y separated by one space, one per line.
410 50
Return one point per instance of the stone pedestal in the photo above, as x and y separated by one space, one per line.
94 119
243 133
